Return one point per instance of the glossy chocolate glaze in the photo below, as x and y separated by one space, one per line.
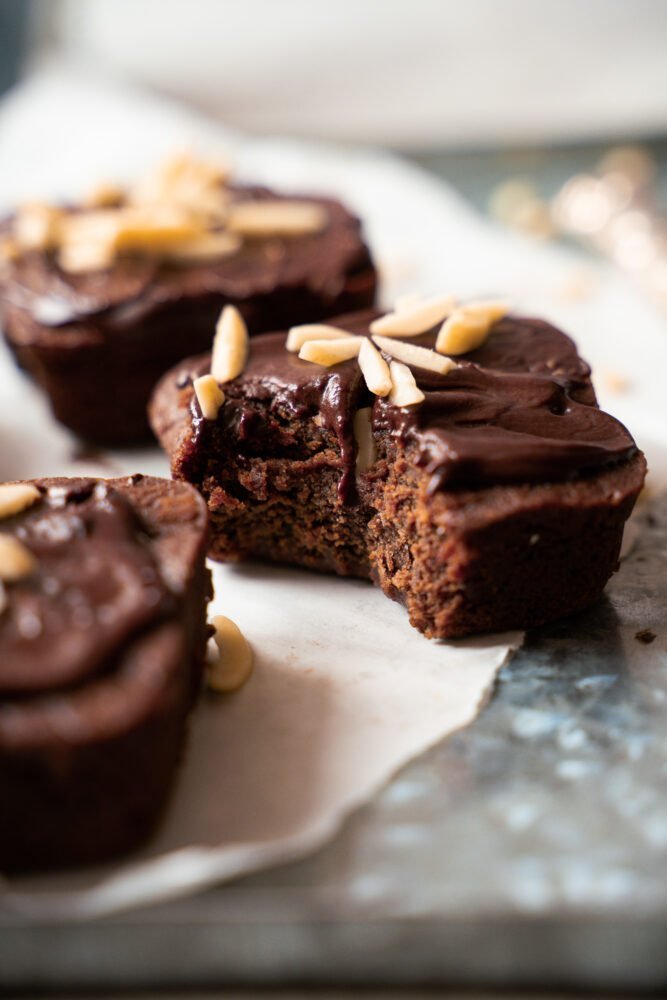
519 409
96 585
135 288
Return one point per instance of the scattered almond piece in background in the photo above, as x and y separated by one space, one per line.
201 248
234 661
275 218
37 226
82 258
105 195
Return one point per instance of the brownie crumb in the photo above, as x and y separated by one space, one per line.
645 635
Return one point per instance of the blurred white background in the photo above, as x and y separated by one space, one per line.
407 73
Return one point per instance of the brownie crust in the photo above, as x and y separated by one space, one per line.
86 766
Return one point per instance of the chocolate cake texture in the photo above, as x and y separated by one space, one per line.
97 327
102 638
497 502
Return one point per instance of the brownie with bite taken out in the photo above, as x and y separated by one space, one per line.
492 496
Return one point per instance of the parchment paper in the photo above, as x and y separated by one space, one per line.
344 691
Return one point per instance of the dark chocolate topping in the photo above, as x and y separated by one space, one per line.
518 409
135 287
96 585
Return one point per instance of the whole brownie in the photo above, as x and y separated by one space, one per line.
97 338
102 639
497 502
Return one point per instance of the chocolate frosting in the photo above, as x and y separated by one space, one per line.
136 287
95 586
520 408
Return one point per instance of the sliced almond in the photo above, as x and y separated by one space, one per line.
37 226
199 249
469 326
154 230
363 434
230 345
461 333
300 335
490 310
412 354
180 173
233 665
168 232
276 218
99 226
416 319
81 258
16 561
156 184
15 497
183 166
404 389
132 228
374 369
210 206
330 352
209 396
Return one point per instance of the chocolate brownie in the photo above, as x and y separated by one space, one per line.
498 502
102 638
98 340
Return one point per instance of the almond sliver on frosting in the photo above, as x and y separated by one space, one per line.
300 335
412 354
330 352
413 319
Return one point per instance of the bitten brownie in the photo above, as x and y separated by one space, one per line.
498 502
97 338
102 639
